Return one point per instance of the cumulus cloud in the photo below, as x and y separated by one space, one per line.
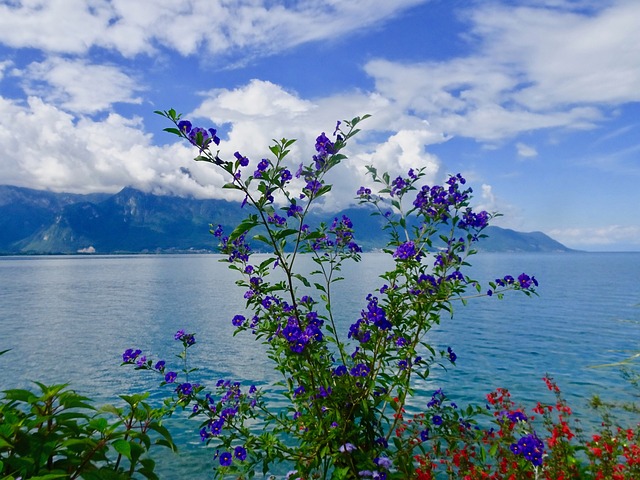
568 57
70 26
79 86
47 148
4 65
534 68
261 111
526 151
599 237
213 26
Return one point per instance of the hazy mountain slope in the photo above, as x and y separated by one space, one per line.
131 221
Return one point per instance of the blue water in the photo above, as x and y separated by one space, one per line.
68 319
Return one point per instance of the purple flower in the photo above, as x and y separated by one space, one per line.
185 389
216 427
340 370
375 314
437 420
299 345
452 355
218 231
240 453
160 365
292 331
405 251
347 447
313 186
238 320
517 416
397 186
530 447
475 221
285 175
244 161
383 462
226 459
364 192
526 281
324 147
130 355
200 137
184 126
294 210
262 166
276 219
170 377
360 370
436 398
424 435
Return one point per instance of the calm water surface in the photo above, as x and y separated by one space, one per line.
68 319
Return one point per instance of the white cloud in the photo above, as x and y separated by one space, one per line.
213 26
533 68
4 65
599 237
404 150
526 151
566 57
78 86
261 111
47 148
257 99
70 26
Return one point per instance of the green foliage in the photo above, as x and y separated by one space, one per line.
51 432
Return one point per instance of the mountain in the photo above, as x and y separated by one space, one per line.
131 221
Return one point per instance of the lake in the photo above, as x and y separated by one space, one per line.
69 318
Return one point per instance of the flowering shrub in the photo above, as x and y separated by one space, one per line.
344 395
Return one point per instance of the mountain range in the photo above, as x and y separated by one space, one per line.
37 222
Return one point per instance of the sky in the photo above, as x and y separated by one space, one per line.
535 102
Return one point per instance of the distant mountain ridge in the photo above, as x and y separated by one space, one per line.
130 221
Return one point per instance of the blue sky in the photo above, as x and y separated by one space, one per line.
535 102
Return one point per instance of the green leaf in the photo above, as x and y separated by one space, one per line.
243 227
19 395
262 238
285 233
303 279
4 444
175 131
123 447
167 440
